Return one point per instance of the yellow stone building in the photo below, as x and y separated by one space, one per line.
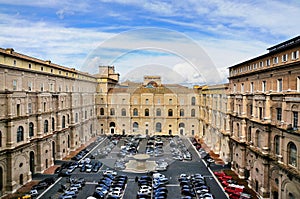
264 103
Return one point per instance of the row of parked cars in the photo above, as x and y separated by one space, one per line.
233 189
152 187
71 189
194 186
110 186
203 154
179 150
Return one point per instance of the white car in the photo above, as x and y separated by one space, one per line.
144 191
145 187
111 172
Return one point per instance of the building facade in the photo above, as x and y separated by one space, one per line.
264 100
214 119
150 108
46 111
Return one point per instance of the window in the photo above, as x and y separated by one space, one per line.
268 62
123 112
249 136
53 124
46 126
181 112
261 64
29 66
295 119
20 134
279 114
158 127
101 111
242 87
112 111
275 60
170 112
135 112
76 117
135 101
85 114
251 87
158 112
42 87
260 113
147 101
158 101
279 85
298 84
193 113
63 122
277 145
123 101
135 127
292 154
284 58
18 109
295 55
263 86
170 101
45 106
15 62
29 86
31 129
193 101
257 139
14 85
146 112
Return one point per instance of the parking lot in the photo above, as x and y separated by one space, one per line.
101 169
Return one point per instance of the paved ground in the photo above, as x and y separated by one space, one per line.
175 169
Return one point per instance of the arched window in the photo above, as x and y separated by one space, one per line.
31 129
53 124
46 126
277 145
112 111
158 127
146 112
170 112
135 112
181 112
91 129
292 154
257 138
20 134
193 113
101 111
135 126
63 122
123 112
158 112
85 114
193 101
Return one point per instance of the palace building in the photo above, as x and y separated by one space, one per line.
264 98
252 123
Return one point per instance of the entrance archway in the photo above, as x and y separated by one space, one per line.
112 127
181 128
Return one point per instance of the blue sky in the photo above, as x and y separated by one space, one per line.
188 38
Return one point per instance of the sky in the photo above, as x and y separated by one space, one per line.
187 42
